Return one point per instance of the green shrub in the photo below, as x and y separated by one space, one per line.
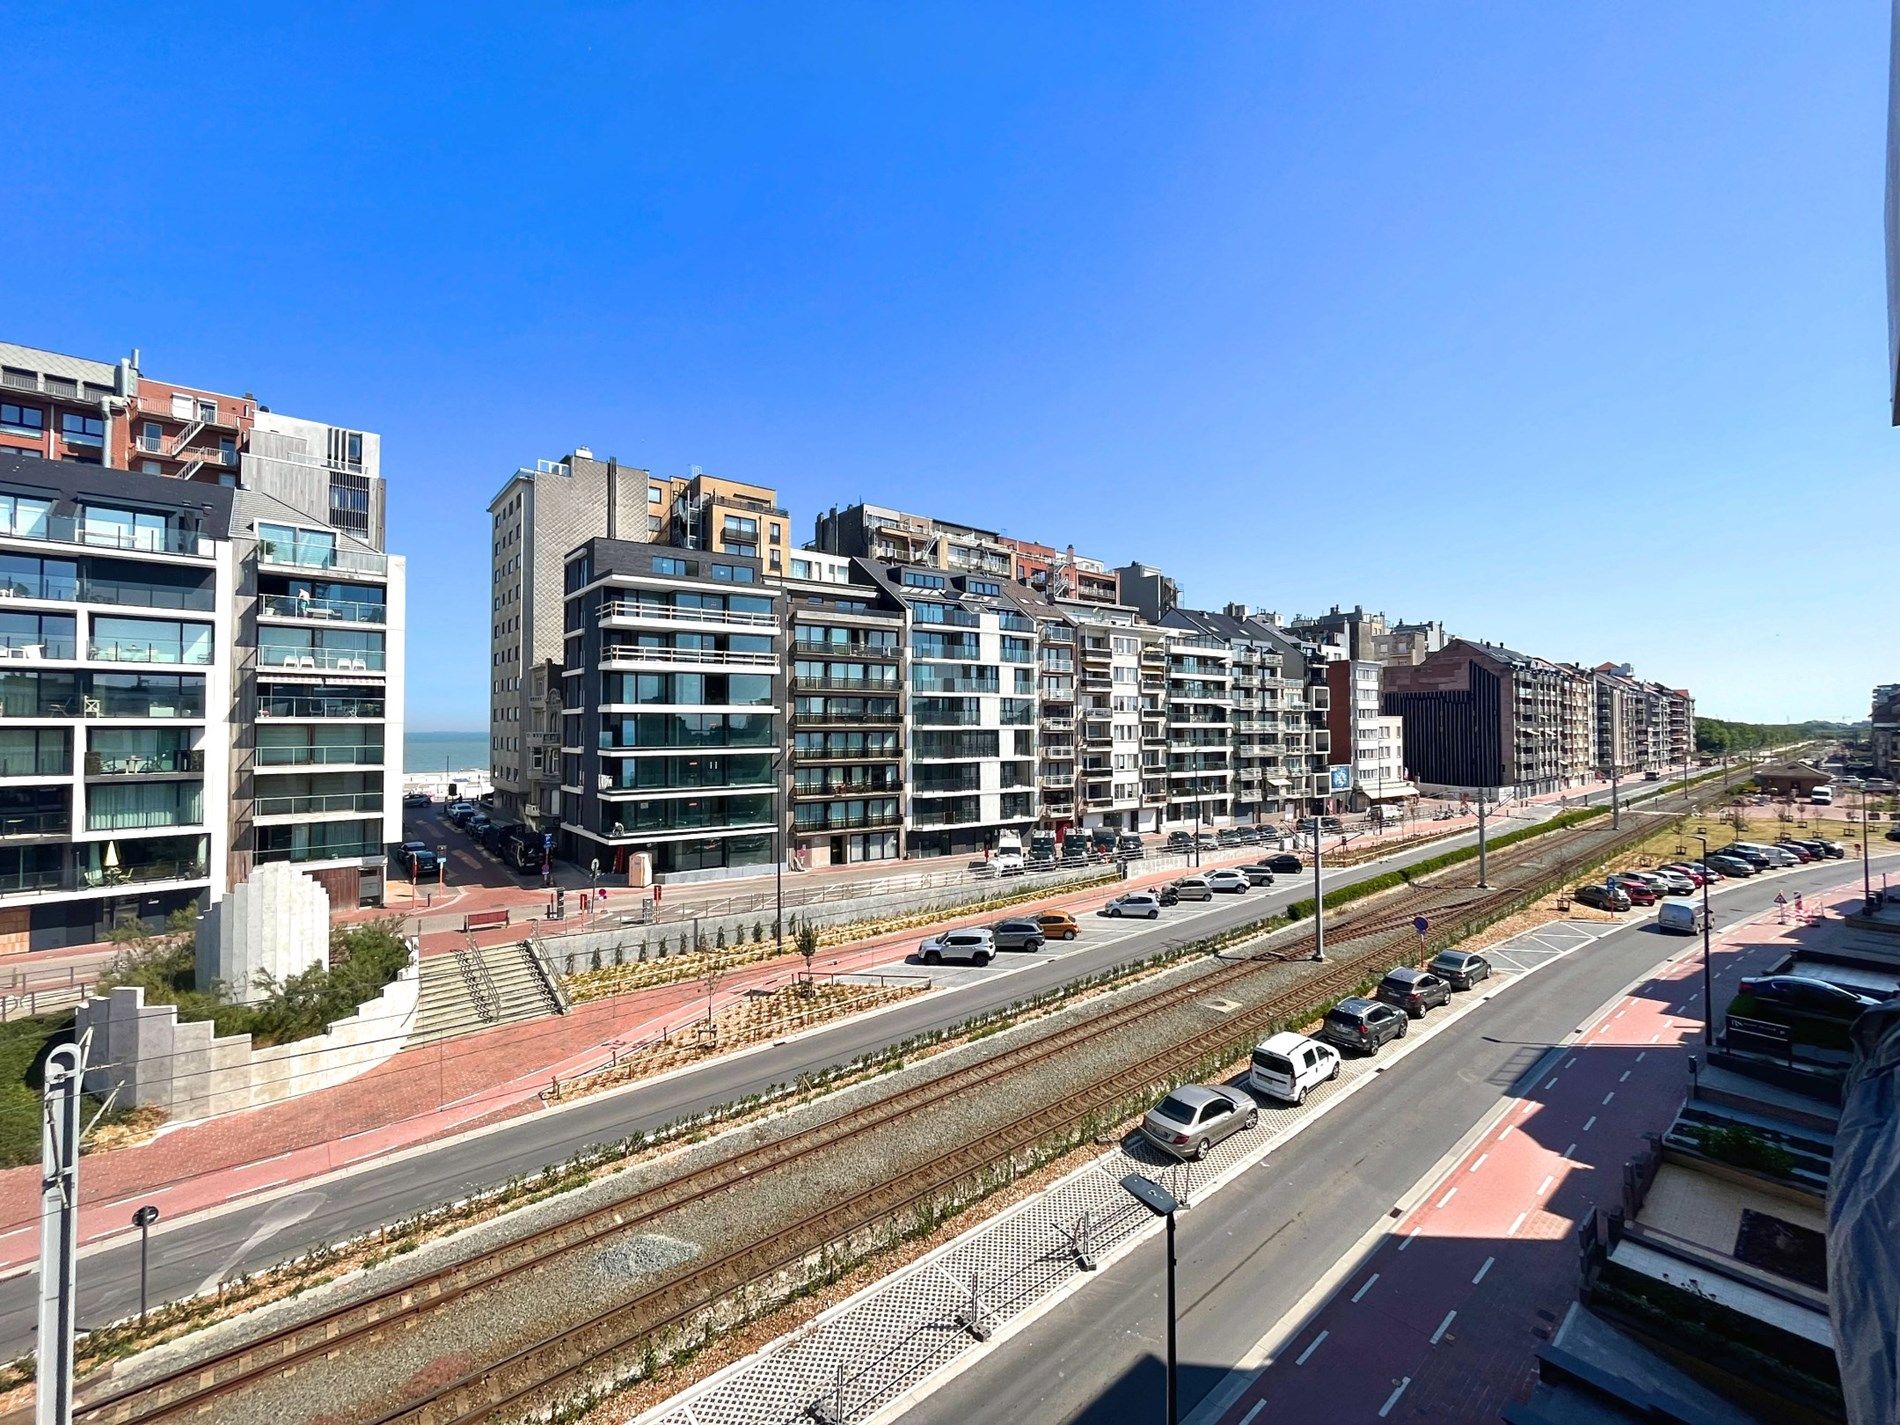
1745 1148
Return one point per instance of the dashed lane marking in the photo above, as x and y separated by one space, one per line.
1544 1187
1482 1270
1443 1327
1591 1123
1517 1224
1448 1197
1359 1295
1393 1399
1478 1164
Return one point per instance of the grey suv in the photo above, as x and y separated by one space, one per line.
1362 1024
1017 935
1414 991
1461 968
1193 1118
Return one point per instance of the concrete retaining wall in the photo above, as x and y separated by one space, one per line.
190 1072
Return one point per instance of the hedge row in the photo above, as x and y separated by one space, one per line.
1387 880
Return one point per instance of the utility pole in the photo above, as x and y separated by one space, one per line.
59 1233
1616 805
1484 881
1319 902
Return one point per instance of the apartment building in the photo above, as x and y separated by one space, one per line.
888 536
1063 575
672 708
1148 591
1119 710
1370 637
849 671
1622 742
1365 736
1884 735
1482 717
1058 731
1200 731
541 514
972 712
198 680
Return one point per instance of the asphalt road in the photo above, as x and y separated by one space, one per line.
1249 1253
194 1253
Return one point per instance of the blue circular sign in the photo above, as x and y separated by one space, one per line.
1421 925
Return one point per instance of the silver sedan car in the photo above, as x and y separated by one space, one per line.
1194 1118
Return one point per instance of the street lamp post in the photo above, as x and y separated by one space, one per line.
1319 902
1866 854
1708 981
143 1220
1161 1203
1484 880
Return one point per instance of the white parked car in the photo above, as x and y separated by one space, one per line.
1138 904
1287 1065
1232 881
975 947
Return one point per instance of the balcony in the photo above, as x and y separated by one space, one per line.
204 413
144 764
639 611
359 755
324 804
709 657
69 529
872 754
310 660
1058 724
36 881
351 850
173 652
303 606
846 821
847 719
292 707
280 554
885 686
26 825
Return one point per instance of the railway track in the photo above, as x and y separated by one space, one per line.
1362 941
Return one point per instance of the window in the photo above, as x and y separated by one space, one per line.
982 586
353 448
676 568
23 515
653 495
916 579
82 430
150 467
735 574
227 455
22 420
207 411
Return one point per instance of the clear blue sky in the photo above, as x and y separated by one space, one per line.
1562 323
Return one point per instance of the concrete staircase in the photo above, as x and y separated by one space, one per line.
479 987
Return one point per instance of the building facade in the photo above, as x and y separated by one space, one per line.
1365 736
1884 734
672 709
1479 717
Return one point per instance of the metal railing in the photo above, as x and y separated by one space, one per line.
353 660
69 529
289 556
342 851
639 611
132 820
886 686
356 708
103 591
134 764
636 653
23 645
36 764
35 823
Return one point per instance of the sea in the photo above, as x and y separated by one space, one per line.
424 752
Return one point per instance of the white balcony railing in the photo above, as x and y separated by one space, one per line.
637 611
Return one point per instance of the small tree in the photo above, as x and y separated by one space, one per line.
808 947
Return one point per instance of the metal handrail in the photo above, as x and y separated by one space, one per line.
636 609
634 653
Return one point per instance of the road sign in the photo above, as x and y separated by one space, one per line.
547 841
1421 925
1339 777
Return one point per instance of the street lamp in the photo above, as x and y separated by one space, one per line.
1161 1203
1708 982
1319 901
143 1220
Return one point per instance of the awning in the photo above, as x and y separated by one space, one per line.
1388 791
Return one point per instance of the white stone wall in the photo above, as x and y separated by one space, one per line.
186 1069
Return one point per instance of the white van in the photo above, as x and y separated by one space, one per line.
1679 918
1287 1065
1822 797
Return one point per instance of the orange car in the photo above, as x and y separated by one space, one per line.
1058 925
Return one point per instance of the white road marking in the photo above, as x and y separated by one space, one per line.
1517 1224
1258 1406
1482 1270
1552 1084
1300 1360
1360 1294
1607 1097
1507 1132
1626 1077
1644 1054
1529 1104
1479 1164
1571 1062
1543 1188
1393 1399
1443 1327
1591 1124
1448 1197
1409 1236
1571 1149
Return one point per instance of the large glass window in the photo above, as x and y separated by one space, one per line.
35 752
39 694
23 515
82 430
133 806
123 529
35 635
142 695
288 544
22 420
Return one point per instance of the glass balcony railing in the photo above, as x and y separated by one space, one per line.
339 851
33 647
35 823
144 819
34 882
306 606
148 650
318 804
97 534
341 660
36 764
361 755
139 764
294 554
118 592
282 705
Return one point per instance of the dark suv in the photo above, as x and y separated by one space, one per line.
1017 935
1362 1024
1414 991
1284 864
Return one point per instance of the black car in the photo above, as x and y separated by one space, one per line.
1601 897
1413 991
1362 1024
416 860
1461 968
1833 850
1180 841
1286 863
1805 995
